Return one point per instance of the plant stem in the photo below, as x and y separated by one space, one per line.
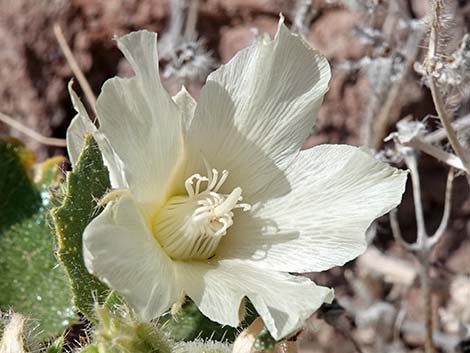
423 259
191 21
436 94
411 162
440 134
444 118
441 155
84 84
411 49
49 141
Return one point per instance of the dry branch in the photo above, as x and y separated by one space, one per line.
36 136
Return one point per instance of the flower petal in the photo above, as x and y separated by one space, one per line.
78 128
187 106
119 248
336 193
142 122
267 96
82 125
283 301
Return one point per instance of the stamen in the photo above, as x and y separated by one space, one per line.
191 227
226 224
222 180
213 179
244 206
198 184
202 217
200 210
189 189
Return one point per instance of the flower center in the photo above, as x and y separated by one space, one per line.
191 227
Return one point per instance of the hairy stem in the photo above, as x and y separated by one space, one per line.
436 94
445 120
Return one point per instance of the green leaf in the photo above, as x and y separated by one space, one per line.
56 346
264 341
19 198
48 176
31 283
92 348
87 183
190 324
202 346
114 303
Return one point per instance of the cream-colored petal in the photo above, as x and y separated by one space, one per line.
78 128
141 122
283 301
82 125
256 111
336 193
120 249
187 106
75 137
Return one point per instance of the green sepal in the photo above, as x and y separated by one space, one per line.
118 331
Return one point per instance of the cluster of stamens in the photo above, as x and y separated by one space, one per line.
190 227
214 215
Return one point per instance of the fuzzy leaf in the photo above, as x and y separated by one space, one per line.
86 184
56 346
48 175
31 282
264 341
190 324
118 331
19 198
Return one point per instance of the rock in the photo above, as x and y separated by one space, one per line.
232 39
237 7
333 35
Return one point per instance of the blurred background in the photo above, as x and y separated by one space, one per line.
376 49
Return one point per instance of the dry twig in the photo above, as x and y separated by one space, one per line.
191 21
424 244
382 121
441 134
448 158
431 62
75 68
36 136
393 270
411 134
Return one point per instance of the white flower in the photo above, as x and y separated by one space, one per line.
221 202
